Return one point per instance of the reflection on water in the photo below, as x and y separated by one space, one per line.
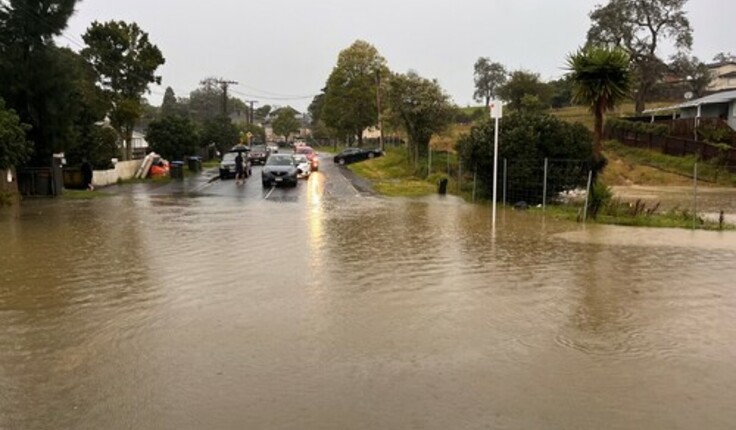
152 311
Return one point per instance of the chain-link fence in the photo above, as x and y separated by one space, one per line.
705 194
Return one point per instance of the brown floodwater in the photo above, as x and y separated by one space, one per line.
316 308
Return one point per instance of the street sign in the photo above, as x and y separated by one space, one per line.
496 107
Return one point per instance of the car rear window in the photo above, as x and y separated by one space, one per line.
279 161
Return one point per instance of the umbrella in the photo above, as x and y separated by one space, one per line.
240 148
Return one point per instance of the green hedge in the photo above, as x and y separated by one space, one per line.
619 125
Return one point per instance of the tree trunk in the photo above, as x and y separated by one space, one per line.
360 138
640 103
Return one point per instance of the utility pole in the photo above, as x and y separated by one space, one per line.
378 105
224 85
252 115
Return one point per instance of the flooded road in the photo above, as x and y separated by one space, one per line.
211 306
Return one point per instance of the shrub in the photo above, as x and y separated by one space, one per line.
526 139
600 196
622 125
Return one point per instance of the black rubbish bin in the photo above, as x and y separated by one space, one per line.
176 170
442 186
195 164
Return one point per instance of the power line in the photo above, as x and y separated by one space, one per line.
224 85
275 94
273 98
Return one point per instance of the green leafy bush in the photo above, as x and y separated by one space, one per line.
526 139
622 125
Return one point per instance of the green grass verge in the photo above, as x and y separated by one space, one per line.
84 194
394 175
669 163
671 219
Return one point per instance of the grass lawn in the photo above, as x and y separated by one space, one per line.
393 175
628 165
671 219
84 194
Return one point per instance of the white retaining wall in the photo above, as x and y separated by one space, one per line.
123 170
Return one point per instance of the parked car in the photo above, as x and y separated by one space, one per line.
303 166
273 148
258 154
352 155
227 165
310 154
280 169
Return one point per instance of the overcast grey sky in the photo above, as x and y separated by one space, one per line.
288 47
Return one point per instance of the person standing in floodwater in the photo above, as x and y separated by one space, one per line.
87 175
239 169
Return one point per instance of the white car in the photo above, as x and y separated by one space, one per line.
303 165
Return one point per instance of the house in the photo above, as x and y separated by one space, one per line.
724 76
139 145
718 106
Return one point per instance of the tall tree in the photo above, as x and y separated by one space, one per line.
35 79
205 103
14 148
220 132
641 27
173 137
421 107
724 57
489 77
95 143
286 123
693 72
522 83
315 107
170 105
126 62
262 112
350 104
601 81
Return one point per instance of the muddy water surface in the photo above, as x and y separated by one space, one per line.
315 308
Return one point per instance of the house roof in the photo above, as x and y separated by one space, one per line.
721 64
722 97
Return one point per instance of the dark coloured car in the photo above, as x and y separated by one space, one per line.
280 169
258 154
352 155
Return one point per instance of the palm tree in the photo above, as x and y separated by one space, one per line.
601 78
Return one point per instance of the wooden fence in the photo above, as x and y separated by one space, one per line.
673 145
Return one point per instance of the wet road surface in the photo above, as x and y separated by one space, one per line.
206 305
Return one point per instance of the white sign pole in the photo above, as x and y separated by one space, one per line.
496 113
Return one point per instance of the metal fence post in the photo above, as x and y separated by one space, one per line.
587 196
505 175
695 194
475 180
429 165
544 188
